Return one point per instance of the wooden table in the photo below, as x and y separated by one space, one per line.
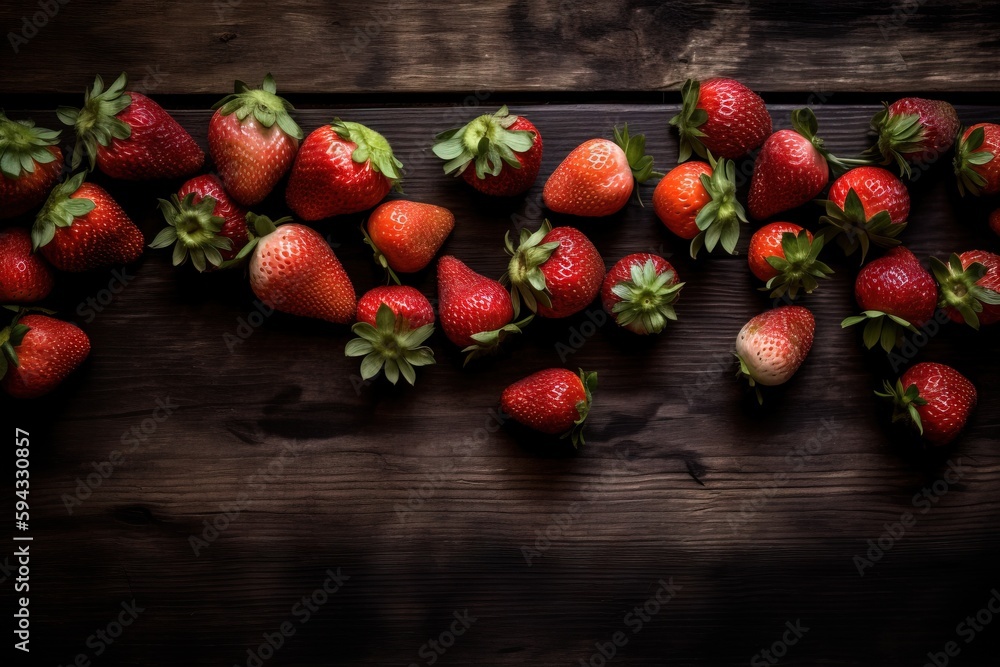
430 522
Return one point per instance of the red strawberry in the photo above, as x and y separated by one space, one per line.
598 176
37 353
557 272
253 140
866 205
406 235
785 256
721 116
476 312
393 322
30 162
914 129
970 287
640 291
341 168
292 269
772 345
896 293
552 401
203 223
935 398
129 136
977 160
24 275
995 221
697 201
498 154
81 227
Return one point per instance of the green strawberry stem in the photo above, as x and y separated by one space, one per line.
744 372
804 122
719 219
905 402
390 346
958 288
10 337
60 210
371 147
22 146
193 230
647 297
485 142
96 123
881 328
488 342
897 135
380 259
799 268
527 282
635 152
969 153
689 120
575 434
263 103
258 226
853 229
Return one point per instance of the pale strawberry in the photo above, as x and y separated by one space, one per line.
772 346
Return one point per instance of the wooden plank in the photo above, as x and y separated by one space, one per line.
422 46
428 507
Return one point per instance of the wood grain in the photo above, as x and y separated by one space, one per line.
428 507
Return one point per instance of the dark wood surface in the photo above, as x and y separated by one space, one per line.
422 46
683 476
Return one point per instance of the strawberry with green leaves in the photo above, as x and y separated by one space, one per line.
977 160
81 227
935 399
393 323
405 235
554 401
786 257
341 168
914 129
640 291
867 205
498 154
24 276
721 117
253 140
772 346
129 136
37 353
969 286
30 163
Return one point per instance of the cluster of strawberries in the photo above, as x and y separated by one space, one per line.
345 167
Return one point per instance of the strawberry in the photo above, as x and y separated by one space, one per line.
30 163
504 150
640 291
81 227
341 168
37 353
772 345
977 160
393 322
24 276
970 287
553 401
785 256
995 221
697 201
597 178
914 129
294 270
476 312
253 140
934 398
896 293
406 235
557 272
203 223
129 136
866 205
722 117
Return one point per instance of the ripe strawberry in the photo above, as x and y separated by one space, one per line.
935 398
896 293
995 221
498 154
720 116
640 291
697 201
393 322
129 136
341 168
292 269
24 275
30 162
476 312
37 353
598 176
203 223
406 235
866 205
253 140
772 345
914 129
977 160
557 272
81 227
785 256
970 287
552 401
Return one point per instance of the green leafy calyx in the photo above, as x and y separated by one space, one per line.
800 268
370 147
263 104
486 142
60 210
524 272
969 153
24 146
881 329
853 229
959 288
390 346
193 230
905 402
687 122
719 220
647 298
898 135
575 434
96 124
